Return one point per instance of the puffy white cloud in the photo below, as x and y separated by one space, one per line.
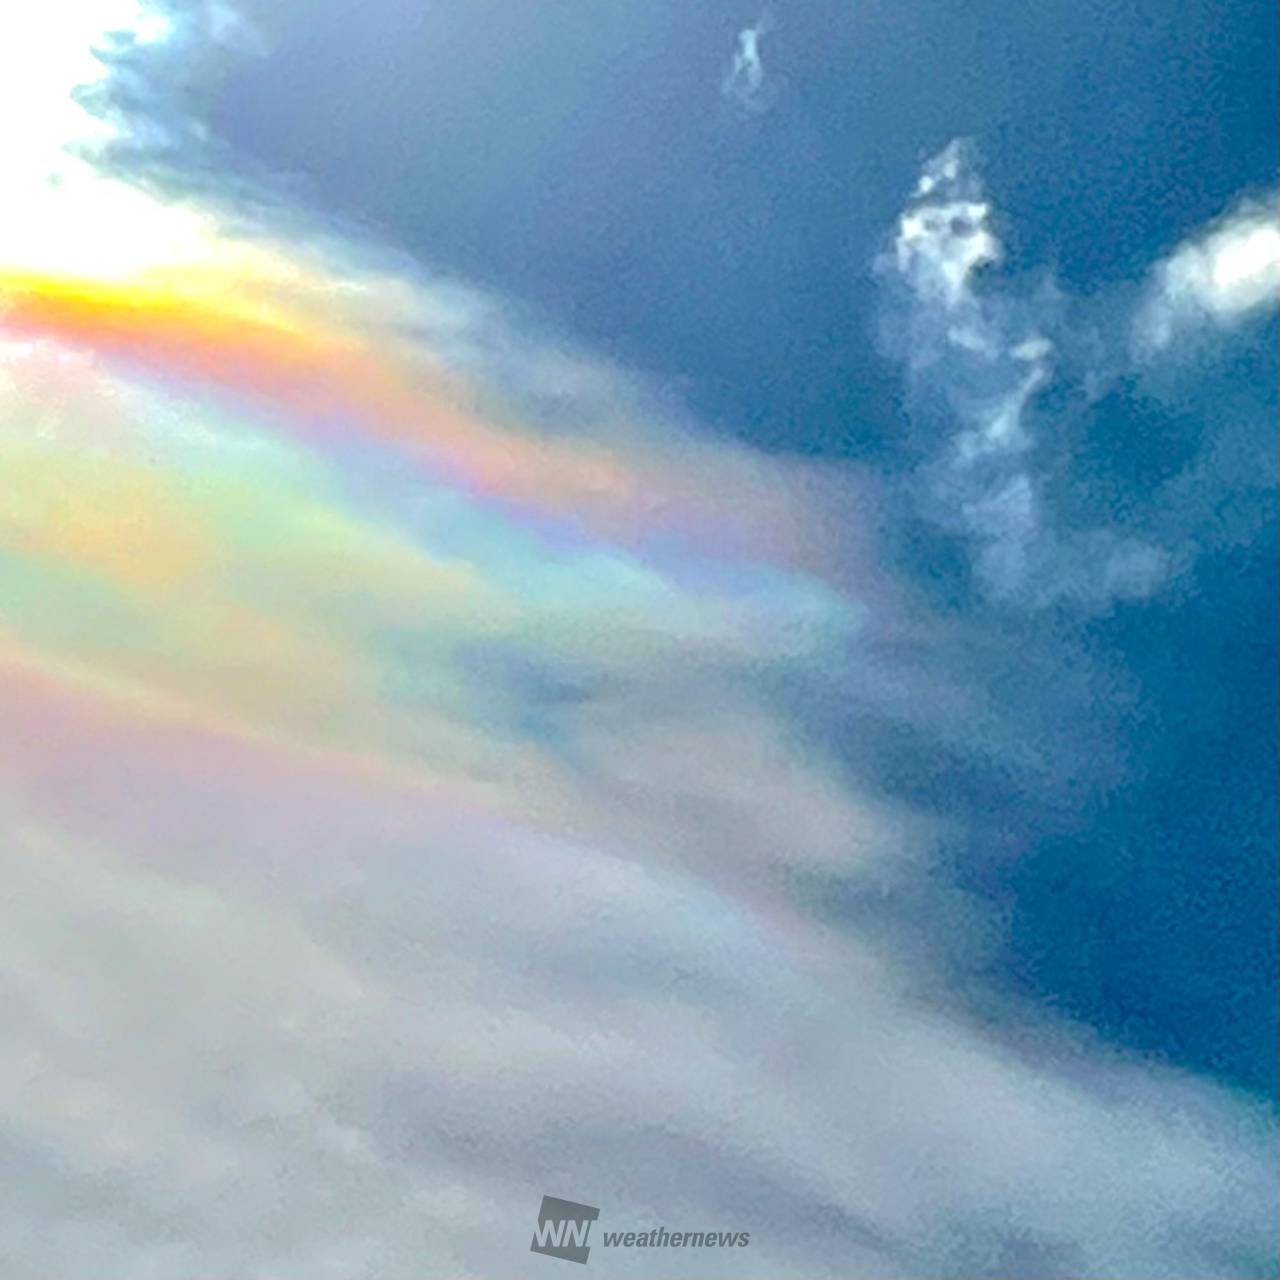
1218 278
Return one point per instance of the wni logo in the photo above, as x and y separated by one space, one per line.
562 1229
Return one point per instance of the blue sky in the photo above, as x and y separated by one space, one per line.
707 643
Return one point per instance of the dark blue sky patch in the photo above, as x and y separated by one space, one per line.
1156 921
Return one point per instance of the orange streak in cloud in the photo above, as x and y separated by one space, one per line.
322 374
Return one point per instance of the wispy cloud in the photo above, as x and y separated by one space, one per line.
978 357
746 83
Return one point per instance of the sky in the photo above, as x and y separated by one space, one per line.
669 605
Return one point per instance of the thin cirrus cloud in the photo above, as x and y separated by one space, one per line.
398 824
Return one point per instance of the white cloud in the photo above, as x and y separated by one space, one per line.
1219 277
46 77
945 235
978 358
377 1043
54 55
745 83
